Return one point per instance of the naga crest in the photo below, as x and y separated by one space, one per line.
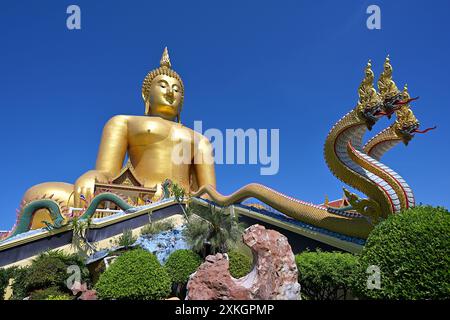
406 124
369 104
390 95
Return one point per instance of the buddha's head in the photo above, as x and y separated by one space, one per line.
163 91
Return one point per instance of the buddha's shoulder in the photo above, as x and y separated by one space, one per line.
130 119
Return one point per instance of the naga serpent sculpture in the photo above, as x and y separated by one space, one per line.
402 130
352 164
57 211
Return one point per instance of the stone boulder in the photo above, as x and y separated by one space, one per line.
82 292
274 275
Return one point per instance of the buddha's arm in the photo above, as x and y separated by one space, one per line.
204 164
111 154
113 146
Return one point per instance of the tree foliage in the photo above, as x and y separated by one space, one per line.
326 275
412 251
135 275
211 226
240 264
126 239
181 264
49 269
4 280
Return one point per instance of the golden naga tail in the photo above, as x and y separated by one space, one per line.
349 162
354 226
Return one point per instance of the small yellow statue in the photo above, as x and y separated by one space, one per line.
148 140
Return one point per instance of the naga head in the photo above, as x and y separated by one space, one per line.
392 98
407 125
369 106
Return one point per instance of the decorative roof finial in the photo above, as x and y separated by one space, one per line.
165 60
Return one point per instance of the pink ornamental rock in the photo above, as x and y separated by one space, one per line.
274 275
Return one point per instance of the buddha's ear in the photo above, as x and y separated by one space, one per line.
179 117
147 107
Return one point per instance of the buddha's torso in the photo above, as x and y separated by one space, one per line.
151 141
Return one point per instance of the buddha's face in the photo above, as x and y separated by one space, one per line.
165 97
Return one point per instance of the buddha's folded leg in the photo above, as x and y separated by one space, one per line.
62 192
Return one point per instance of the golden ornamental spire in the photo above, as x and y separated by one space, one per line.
368 95
366 84
165 59
386 85
405 118
405 92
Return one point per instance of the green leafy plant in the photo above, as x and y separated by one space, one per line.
180 265
45 294
179 194
326 275
240 264
211 227
126 239
80 229
135 275
48 270
19 286
412 251
59 297
4 280
157 227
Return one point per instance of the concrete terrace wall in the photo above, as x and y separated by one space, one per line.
101 236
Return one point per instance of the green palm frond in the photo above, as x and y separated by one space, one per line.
214 226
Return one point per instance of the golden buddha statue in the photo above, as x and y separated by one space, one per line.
149 141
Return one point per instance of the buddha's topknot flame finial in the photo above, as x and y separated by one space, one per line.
165 59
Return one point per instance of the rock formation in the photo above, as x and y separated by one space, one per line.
274 275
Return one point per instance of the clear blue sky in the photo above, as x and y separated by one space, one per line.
292 65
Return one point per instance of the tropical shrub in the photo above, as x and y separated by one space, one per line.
126 239
325 275
46 271
135 275
211 227
157 227
49 269
240 264
45 294
19 286
181 264
4 280
412 251
59 297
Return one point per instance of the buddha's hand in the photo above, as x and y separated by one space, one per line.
84 187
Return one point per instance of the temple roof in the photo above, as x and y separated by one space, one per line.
127 176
